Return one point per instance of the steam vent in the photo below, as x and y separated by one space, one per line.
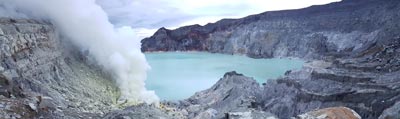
225 59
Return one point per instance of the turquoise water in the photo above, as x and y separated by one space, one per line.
178 75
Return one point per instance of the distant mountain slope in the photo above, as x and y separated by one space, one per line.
336 29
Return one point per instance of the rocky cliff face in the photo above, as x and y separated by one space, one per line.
338 29
353 48
41 76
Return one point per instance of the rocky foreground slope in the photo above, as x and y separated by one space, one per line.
352 46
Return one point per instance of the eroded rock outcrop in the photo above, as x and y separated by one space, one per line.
234 96
232 93
44 76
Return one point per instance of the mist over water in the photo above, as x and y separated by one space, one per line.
178 75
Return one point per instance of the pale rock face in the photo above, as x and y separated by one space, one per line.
331 113
1 32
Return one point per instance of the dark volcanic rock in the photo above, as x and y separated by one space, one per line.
188 39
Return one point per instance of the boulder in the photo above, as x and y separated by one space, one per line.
331 113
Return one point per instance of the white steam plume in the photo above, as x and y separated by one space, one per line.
116 49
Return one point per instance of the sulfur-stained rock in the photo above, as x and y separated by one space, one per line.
331 113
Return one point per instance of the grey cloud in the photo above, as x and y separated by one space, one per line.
144 14
8 10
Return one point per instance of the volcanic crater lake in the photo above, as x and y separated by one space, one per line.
178 75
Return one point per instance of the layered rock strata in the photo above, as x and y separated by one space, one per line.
352 49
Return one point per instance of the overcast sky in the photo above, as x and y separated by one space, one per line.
146 16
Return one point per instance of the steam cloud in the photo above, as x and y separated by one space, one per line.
87 25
